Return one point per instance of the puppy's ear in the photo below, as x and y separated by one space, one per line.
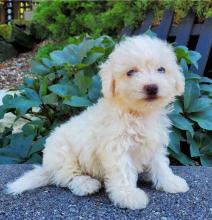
180 82
108 83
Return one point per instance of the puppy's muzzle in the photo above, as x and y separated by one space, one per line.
151 90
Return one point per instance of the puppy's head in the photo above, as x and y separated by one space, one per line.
141 74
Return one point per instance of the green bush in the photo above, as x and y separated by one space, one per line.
66 82
70 18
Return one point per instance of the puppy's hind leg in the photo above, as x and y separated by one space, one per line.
71 176
84 185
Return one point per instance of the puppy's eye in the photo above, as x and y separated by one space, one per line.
131 72
161 70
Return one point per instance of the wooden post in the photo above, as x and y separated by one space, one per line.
2 13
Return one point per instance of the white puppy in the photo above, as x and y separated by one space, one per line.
125 133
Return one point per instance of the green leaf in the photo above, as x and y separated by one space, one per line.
204 118
34 159
177 107
206 88
199 104
191 93
50 99
206 160
63 90
77 101
19 147
43 86
83 83
38 68
95 89
181 122
72 51
184 65
194 57
28 82
194 146
47 62
92 58
37 146
182 158
60 57
206 80
9 160
31 94
174 142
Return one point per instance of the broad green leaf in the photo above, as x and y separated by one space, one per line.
9 160
205 80
83 83
199 104
181 122
174 143
77 101
50 99
206 160
95 89
47 62
60 57
19 147
204 118
34 159
177 107
31 94
37 146
63 90
43 86
194 57
28 82
182 158
92 58
206 88
72 51
184 65
194 146
192 76
38 68
191 93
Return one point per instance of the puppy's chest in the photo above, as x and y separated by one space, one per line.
144 138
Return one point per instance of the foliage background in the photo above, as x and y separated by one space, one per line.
109 17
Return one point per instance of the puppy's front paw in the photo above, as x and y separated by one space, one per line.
130 198
174 184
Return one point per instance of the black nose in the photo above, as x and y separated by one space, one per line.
151 89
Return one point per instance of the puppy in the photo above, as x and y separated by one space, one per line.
124 134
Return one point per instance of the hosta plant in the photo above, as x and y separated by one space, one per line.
66 82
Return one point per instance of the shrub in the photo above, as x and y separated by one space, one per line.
61 86
66 82
69 18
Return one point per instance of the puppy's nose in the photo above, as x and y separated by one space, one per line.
151 89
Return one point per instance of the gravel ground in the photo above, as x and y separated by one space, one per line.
12 70
59 203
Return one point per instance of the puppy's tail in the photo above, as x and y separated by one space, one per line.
30 180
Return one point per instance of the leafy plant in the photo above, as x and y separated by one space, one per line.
66 82
191 139
61 86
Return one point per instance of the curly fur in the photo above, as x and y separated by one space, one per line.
122 135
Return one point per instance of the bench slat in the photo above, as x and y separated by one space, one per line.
184 30
204 46
145 25
163 30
